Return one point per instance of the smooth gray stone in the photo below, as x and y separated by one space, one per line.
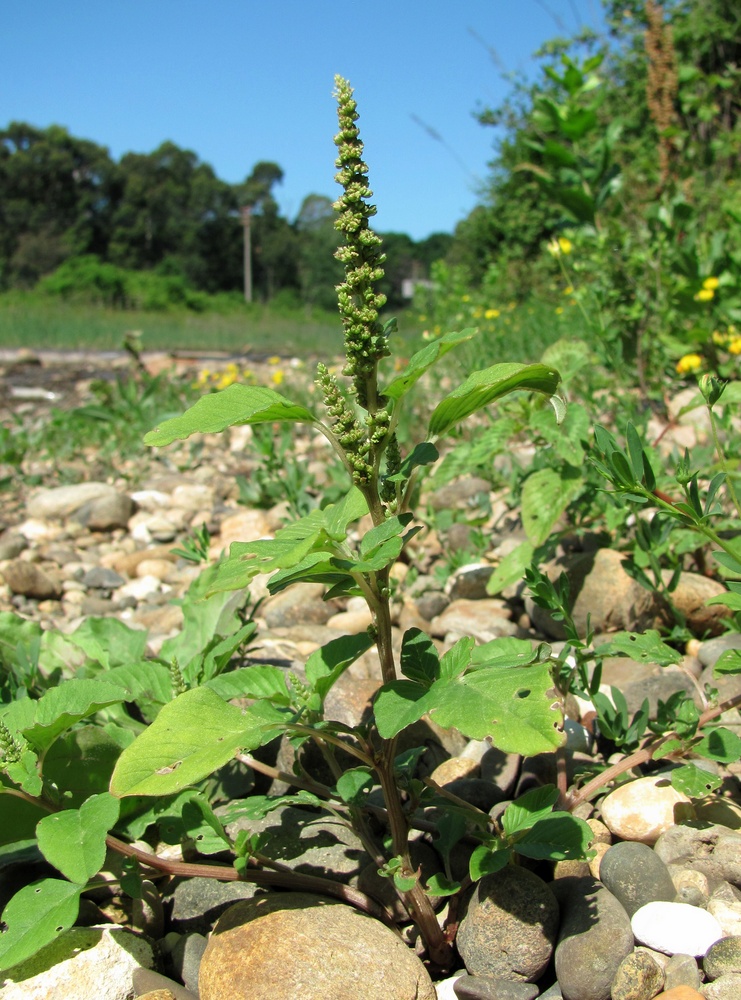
594 939
636 875
681 970
186 958
490 988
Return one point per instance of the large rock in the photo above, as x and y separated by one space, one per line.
714 850
509 927
60 502
594 938
284 946
644 809
83 962
636 875
30 580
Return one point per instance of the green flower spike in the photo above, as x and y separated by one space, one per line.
365 340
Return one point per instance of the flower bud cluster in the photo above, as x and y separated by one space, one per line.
359 303
11 748
350 434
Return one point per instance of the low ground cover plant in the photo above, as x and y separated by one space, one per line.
102 747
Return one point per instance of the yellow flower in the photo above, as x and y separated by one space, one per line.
704 295
492 314
568 290
689 363
559 310
735 346
275 360
277 377
465 298
719 338
710 283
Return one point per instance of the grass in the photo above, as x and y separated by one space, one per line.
28 319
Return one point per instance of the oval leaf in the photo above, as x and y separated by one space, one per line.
486 386
74 840
35 916
239 404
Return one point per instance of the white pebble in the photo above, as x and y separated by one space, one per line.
676 928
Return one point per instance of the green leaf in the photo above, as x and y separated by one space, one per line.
728 663
61 707
354 784
80 763
146 679
424 453
238 404
25 772
693 781
511 568
419 657
424 359
192 736
515 706
720 744
645 647
545 496
338 516
486 386
730 562
487 861
107 641
439 885
259 681
35 916
558 837
732 601
259 806
16 633
325 665
19 819
74 840
529 809
202 826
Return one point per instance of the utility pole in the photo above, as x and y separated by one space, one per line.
246 215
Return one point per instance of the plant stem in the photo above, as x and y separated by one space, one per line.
722 460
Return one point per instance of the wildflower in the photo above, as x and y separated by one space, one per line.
710 284
689 363
735 345
275 360
560 246
559 310
719 338
704 295
277 377
465 298
568 290
492 313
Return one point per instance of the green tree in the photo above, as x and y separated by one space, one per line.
319 273
55 200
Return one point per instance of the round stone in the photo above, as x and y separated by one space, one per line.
723 957
639 976
636 875
509 927
643 809
281 946
676 928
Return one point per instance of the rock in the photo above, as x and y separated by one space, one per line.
690 598
198 902
444 987
102 578
680 993
722 958
470 582
106 513
675 928
60 502
299 604
431 604
501 768
715 851
720 812
509 926
635 875
594 938
186 956
484 620
725 906
639 977
463 492
148 983
711 650
490 988
242 526
602 589
283 946
644 809
76 963
11 545
30 580
682 970
728 987
322 846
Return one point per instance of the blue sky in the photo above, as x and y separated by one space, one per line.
239 81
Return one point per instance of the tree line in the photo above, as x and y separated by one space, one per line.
63 198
